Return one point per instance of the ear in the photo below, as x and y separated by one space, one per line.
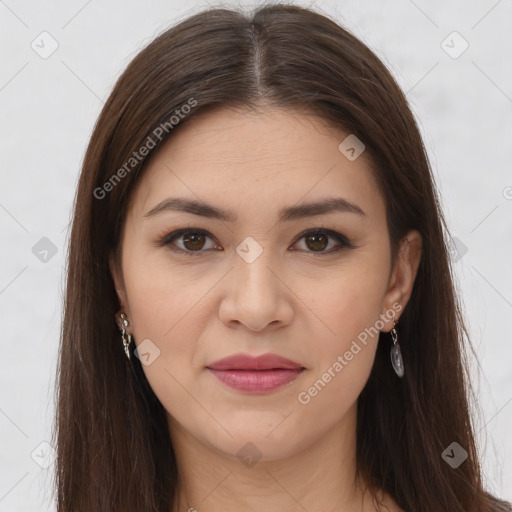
116 276
402 277
120 290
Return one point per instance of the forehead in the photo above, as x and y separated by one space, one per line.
261 159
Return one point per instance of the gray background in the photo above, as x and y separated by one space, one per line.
48 108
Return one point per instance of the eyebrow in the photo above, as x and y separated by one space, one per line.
289 213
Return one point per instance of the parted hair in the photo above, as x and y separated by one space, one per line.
114 452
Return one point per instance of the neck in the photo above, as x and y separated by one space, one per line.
321 476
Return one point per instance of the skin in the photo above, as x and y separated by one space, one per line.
304 305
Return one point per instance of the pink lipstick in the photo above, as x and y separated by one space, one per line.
260 374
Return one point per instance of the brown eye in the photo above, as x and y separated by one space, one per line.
317 241
194 241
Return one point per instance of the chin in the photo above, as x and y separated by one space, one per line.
258 437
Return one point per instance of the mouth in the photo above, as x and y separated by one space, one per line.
250 374
257 381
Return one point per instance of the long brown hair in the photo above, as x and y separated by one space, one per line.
114 451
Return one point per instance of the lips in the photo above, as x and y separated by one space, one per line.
260 374
263 362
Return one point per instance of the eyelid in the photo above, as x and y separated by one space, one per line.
167 238
330 233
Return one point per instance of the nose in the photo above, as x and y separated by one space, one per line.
256 295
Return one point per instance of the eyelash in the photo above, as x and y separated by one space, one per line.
168 238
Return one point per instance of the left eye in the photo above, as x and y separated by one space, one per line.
315 240
318 240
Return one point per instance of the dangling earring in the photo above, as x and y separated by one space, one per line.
126 342
396 354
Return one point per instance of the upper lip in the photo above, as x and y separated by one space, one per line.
248 362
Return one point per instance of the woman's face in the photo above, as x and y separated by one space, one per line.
245 274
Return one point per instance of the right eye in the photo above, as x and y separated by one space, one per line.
192 241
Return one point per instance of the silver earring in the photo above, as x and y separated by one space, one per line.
124 335
396 354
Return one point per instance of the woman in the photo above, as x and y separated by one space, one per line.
259 311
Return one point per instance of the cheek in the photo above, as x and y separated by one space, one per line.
165 308
162 298
167 312
347 305
346 339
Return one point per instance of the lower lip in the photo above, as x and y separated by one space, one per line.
256 381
